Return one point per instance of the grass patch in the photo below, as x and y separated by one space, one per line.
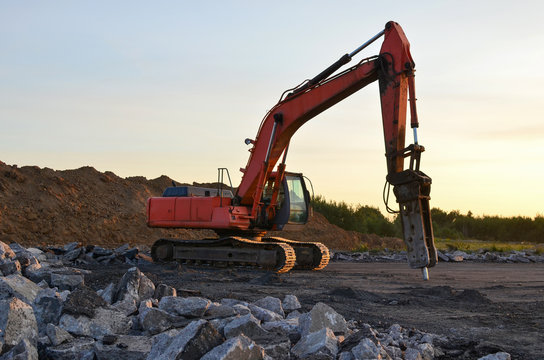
475 245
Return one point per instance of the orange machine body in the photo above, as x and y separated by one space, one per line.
196 212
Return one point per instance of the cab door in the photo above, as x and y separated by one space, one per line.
294 203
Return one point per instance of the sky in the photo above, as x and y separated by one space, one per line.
173 88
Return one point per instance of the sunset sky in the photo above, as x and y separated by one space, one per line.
174 87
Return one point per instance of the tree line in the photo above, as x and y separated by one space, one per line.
447 225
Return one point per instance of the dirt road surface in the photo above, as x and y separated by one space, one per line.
483 307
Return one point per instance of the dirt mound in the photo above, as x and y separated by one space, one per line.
44 206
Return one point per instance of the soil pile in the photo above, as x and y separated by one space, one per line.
44 206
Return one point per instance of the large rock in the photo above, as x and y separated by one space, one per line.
192 307
220 323
216 310
24 350
124 347
164 290
264 314
72 255
78 348
290 303
5 251
107 293
247 325
38 254
134 284
18 286
57 335
160 342
241 309
153 320
83 301
278 351
47 307
366 349
322 316
457 256
67 280
17 322
24 256
105 322
232 302
497 356
286 326
192 342
10 266
272 304
237 348
321 344
127 306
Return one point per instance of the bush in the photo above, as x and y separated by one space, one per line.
364 219
448 225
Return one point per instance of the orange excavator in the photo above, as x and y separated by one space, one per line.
270 198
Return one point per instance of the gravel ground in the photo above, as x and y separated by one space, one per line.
485 307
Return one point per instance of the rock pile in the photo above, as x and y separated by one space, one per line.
47 311
514 256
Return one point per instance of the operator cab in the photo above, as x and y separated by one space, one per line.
293 202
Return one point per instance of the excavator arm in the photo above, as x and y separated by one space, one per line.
269 198
394 69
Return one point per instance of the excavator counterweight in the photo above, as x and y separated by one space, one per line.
270 198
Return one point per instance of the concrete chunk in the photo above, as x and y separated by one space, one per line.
134 284
57 335
247 325
67 281
17 322
192 342
271 303
164 290
10 266
192 307
322 316
47 308
216 310
321 344
497 356
240 347
18 286
160 342
83 301
264 314
153 320
6 252
290 303
366 349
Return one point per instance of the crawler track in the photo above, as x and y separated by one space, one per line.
228 251
309 255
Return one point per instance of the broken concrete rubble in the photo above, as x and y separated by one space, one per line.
134 319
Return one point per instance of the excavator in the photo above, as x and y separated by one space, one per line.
270 198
